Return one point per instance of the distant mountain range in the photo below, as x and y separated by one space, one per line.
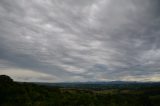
103 85
91 85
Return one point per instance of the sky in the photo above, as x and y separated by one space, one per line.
80 40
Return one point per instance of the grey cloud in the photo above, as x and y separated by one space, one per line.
81 40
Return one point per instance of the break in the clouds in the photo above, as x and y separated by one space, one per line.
80 40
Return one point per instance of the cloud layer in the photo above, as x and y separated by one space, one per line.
80 40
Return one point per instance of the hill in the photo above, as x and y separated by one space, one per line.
29 94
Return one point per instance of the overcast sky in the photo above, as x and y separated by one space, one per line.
80 40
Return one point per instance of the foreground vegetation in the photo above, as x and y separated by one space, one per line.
27 94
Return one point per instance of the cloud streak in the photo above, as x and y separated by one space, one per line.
80 40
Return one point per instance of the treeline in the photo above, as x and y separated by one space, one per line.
27 94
